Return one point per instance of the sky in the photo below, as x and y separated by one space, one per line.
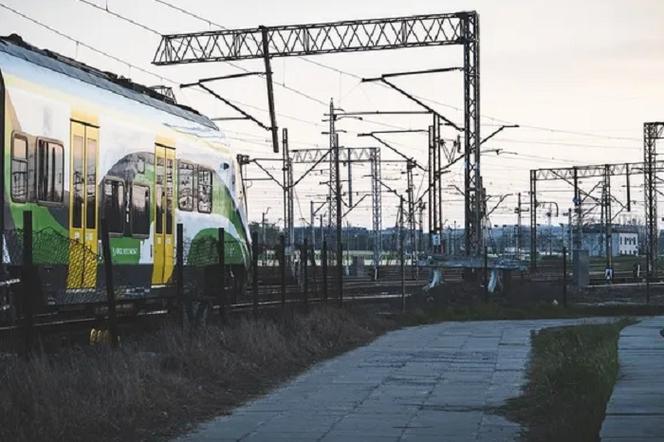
580 78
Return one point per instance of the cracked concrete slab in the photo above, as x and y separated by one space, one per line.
427 383
635 410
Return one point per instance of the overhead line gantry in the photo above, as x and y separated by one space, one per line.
460 28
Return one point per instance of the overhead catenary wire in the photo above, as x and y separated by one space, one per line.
147 28
131 65
154 31
449 106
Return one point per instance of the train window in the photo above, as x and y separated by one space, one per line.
19 170
114 205
159 194
169 195
204 190
140 210
50 171
91 183
185 186
78 157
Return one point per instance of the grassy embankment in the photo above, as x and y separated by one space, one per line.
157 383
153 385
570 379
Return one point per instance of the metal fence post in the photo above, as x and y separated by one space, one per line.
305 273
108 273
27 283
179 276
254 239
565 276
324 264
282 268
221 249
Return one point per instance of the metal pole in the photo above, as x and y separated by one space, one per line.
305 273
324 264
518 228
411 218
486 274
472 176
607 216
648 261
431 189
312 225
255 275
402 257
27 278
290 235
221 248
282 268
179 269
270 92
533 221
340 250
350 182
564 276
285 164
108 273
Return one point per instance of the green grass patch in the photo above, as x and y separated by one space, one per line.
570 380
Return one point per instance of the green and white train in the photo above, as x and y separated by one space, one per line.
81 144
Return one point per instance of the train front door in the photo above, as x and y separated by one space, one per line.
164 185
83 222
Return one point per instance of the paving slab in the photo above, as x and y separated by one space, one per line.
427 383
636 408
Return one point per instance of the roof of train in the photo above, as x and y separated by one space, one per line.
15 46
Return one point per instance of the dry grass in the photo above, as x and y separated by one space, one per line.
152 387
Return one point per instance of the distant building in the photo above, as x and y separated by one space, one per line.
624 240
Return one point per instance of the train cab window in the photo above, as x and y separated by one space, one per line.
140 210
19 172
114 205
204 190
185 186
50 171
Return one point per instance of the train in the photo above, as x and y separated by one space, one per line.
82 146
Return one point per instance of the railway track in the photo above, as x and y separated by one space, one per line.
354 291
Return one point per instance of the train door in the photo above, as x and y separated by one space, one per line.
164 184
83 202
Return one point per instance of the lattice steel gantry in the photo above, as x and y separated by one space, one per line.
652 132
460 28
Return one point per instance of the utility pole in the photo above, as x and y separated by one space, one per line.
411 215
287 172
402 256
578 211
569 228
263 225
335 180
312 225
376 209
517 250
606 203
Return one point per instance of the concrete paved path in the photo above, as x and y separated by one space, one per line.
635 411
428 383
